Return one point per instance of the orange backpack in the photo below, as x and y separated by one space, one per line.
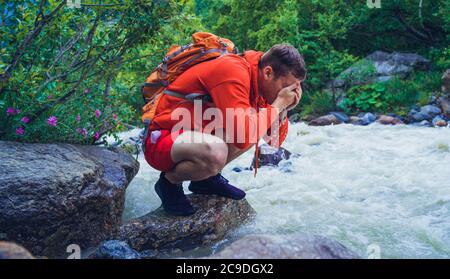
204 46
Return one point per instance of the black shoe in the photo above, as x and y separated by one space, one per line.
216 185
172 196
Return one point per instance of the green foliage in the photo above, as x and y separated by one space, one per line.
77 61
320 103
396 95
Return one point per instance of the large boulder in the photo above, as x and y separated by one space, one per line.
9 250
54 195
427 112
294 246
270 156
215 217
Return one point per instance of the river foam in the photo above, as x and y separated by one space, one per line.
366 186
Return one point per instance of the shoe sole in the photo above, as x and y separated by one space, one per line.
209 194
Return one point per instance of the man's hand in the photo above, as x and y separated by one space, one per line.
287 97
298 92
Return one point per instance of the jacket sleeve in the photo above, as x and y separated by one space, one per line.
231 97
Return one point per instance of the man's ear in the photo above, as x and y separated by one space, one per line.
268 72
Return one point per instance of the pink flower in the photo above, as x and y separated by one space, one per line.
78 118
10 111
96 136
114 116
17 111
20 131
84 132
86 90
97 113
52 121
25 120
49 97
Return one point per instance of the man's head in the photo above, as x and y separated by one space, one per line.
279 67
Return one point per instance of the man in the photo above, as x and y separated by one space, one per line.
268 82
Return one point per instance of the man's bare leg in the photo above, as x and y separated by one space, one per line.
198 156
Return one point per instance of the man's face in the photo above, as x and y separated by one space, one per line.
269 86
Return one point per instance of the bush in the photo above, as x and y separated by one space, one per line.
395 95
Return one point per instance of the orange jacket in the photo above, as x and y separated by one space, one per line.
232 82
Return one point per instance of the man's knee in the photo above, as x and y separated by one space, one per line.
214 157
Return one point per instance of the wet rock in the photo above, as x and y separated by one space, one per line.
237 169
294 246
9 250
355 120
114 249
270 156
215 217
427 112
325 120
54 195
341 116
389 120
439 121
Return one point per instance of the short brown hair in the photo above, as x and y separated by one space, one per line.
284 59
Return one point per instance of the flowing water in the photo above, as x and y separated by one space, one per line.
369 187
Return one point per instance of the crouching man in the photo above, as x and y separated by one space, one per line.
269 84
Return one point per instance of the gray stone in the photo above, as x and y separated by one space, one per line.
325 120
430 110
9 250
270 156
215 217
341 116
114 249
294 246
423 123
54 195
368 118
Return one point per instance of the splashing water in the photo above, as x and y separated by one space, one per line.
364 186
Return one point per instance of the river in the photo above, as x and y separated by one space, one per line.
378 186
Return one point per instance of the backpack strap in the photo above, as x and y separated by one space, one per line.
189 97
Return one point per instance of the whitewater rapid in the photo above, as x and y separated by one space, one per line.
378 186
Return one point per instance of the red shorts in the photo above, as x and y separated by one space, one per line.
158 147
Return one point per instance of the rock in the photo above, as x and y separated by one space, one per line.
270 156
237 169
355 120
54 195
426 113
114 249
294 246
325 120
389 120
341 116
215 217
446 82
444 104
364 119
430 110
10 250
439 121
